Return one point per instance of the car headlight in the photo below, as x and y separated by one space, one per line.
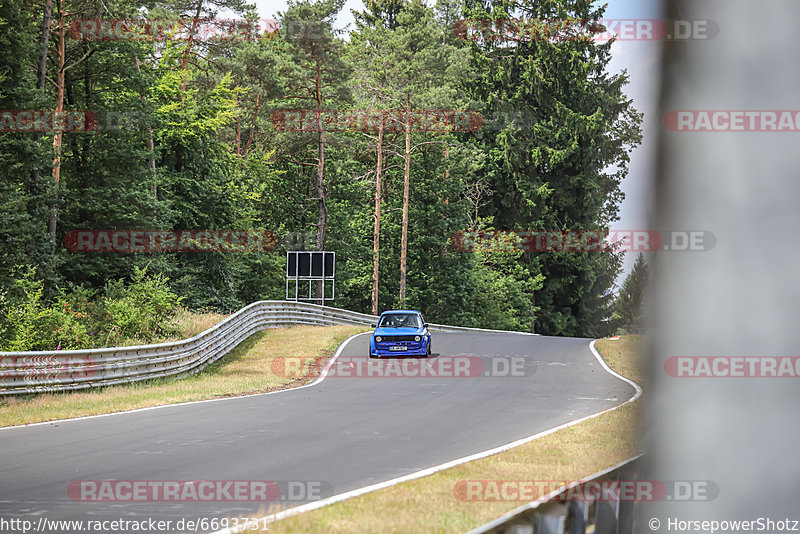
417 338
378 339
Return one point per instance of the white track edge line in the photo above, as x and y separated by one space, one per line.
319 379
607 368
431 470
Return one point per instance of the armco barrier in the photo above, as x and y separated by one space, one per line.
551 515
65 370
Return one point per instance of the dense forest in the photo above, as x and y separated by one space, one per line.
175 115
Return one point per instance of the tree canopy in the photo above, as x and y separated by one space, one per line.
187 129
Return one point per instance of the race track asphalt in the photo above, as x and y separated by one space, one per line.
340 434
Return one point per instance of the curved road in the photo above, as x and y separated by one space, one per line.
344 433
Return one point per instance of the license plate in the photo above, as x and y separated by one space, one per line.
398 347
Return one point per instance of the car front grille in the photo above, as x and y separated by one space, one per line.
392 339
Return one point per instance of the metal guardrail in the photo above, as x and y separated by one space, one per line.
67 370
557 514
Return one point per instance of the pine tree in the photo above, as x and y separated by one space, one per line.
558 137
629 304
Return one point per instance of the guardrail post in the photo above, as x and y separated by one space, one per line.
552 519
605 517
577 517
519 529
626 514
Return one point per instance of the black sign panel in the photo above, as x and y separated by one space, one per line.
317 264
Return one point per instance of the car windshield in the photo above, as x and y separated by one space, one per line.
400 320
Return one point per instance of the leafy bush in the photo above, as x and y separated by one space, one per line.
81 318
141 309
24 314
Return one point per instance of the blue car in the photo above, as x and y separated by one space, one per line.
400 333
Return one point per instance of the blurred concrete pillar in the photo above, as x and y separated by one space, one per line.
742 298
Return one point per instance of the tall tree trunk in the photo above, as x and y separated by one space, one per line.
321 214
321 210
376 234
406 187
41 78
188 49
447 169
43 40
150 145
238 136
252 128
57 122
152 149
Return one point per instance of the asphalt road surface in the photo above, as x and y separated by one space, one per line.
343 433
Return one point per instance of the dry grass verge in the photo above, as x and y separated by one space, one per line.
245 370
